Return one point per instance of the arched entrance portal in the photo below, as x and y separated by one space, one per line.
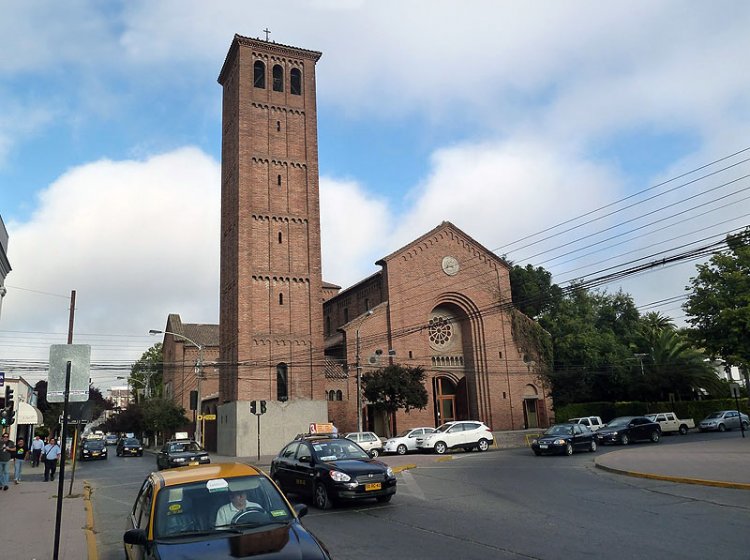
449 398
530 412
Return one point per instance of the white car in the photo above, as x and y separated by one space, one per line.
405 441
466 434
369 441
593 423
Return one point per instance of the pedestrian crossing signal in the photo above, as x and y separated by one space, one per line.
262 407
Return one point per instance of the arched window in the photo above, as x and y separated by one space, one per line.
282 382
259 74
278 78
339 395
281 299
278 180
295 81
331 395
279 237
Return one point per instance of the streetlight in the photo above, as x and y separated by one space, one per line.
359 378
146 383
198 375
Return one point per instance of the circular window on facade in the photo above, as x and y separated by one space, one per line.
440 329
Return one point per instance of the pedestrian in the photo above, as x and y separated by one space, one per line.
334 429
52 453
19 455
36 450
6 450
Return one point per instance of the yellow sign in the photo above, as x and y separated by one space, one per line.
317 428
209 416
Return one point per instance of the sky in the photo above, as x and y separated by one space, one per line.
626 122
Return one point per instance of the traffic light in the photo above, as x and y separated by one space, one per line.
262 407
9 398
11 417
193 400
254 407
4 417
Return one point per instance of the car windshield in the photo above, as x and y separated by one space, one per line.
559 430
131 441
94 445
622 421
337 450
209 506
184 446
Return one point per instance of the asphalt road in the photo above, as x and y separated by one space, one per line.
499 504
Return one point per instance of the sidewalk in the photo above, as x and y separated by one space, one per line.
27 529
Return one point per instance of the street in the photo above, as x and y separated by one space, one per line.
499 504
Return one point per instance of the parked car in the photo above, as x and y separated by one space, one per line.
369 441
329 469
723 420
464 434
181 453
129 446
591 422
405 441
626 429
670 423
176 513
93 449
564 439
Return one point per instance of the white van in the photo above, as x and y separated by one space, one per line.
592 422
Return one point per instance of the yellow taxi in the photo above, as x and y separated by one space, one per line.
218 510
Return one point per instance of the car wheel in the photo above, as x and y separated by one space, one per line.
624 439
592 447
655 436
401 449
440 448
568 449
321 499
483 445
722 428
374 453
746 425
683 430
384 499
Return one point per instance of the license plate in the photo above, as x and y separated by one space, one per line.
542 446
373 486
95 453
193 463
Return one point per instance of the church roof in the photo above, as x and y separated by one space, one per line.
202 333
443 225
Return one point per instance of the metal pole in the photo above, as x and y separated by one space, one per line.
359 389
199 375
61 474
258 438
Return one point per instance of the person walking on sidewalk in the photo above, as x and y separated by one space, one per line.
19 455
6 450
51 455
36 451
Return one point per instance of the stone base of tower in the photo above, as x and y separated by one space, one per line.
237 427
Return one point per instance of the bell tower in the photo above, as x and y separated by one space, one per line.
271 336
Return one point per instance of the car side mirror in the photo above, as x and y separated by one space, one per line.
135 536
300 510
305 459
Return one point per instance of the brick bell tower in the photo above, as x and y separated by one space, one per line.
271 336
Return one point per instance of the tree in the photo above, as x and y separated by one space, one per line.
161 416
146 375
395 387
718 306
532 290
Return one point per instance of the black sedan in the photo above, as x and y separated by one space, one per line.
129 447
564 439
328 469
181 453
93 449
626 429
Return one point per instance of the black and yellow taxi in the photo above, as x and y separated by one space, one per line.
181 453
93 449
128 447
329 469
219 510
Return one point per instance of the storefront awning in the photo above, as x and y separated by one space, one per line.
27 414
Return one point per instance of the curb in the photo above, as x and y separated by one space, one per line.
93 553
679 479
401 468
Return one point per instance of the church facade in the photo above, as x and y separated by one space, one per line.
442 302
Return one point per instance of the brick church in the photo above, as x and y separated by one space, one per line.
442 302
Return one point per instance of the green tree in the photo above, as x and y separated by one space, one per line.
718 306
532 290
128 420
146 375
162 417
395 387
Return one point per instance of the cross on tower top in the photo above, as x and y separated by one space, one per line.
267 32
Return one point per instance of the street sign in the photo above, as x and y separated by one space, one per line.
321 428
734 390
209 416
79 356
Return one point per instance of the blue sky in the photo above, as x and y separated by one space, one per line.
502 117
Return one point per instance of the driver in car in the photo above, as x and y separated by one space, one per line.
237 503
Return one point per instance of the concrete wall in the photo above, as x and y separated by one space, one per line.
237 430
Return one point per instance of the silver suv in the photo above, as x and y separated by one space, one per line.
465 434
369 441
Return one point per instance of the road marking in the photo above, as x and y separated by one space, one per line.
412 486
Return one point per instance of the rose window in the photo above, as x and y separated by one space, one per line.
440 331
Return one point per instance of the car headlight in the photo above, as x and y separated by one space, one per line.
338 476
559 442
389 472
140 449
